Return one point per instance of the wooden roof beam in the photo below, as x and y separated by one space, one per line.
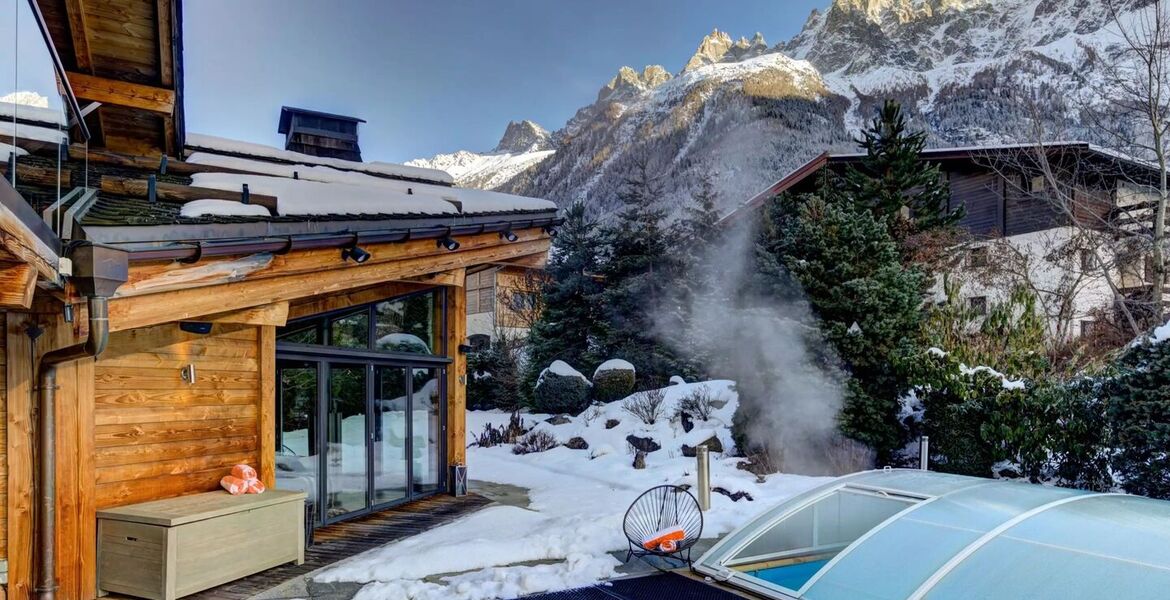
18 282
121 93
182 194
79 33
271 314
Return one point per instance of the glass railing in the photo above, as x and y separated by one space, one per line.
35 112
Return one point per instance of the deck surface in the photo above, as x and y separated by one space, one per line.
663 586
333 543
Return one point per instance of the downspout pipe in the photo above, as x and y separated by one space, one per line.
98 270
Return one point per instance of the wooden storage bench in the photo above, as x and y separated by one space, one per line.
170 548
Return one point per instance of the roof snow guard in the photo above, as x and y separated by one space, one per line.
903 534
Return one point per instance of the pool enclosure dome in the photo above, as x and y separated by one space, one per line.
906 534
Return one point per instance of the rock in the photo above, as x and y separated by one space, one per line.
629 83
735 497
687 422
752 467
676 380
1007 472
524 136
558 420
712 443
639 460
643 444
577 443
611 423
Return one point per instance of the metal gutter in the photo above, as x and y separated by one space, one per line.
195 249
15 203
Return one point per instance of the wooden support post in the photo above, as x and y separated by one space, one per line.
456 374
20 456
266 415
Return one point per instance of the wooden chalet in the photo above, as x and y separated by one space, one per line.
1009 190
176 304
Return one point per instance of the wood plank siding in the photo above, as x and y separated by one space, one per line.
981 196
3 444
158 436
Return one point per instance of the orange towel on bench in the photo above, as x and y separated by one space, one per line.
255 486
234 485
660 537
243 472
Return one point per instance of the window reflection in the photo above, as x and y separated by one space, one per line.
350 331
426 415
407 325
296 441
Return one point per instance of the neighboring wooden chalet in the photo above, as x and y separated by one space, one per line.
176 304
503 300
1014 192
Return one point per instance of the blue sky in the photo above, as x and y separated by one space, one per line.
435 76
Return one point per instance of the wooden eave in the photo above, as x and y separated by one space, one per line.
26 240
127 55
161 292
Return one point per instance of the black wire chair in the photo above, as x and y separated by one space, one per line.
660 508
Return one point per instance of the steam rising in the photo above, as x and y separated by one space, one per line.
790 388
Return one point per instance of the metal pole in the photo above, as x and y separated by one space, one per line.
703 474
924 453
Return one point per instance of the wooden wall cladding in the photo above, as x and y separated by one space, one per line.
158 436
3 444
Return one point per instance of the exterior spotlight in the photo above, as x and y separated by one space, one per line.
550 230
508 235
449 243
354 252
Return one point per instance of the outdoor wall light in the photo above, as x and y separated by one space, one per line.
508 235
550 230
449 243
354 252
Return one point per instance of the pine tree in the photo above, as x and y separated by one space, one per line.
869 305
892 177
638 269
694 241
567 327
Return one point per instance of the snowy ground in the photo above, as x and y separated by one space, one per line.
578 498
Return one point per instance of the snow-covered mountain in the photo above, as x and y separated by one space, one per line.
969 71
524 145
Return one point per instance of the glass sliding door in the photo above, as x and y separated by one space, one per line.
426 430
391 434
361 405
347 453
297 443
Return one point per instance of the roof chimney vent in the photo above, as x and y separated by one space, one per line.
320 134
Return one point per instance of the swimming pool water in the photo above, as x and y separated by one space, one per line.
790 576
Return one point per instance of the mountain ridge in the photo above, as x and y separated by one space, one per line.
746 113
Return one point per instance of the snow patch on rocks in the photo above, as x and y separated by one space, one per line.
614 364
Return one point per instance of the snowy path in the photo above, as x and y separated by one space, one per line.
577 500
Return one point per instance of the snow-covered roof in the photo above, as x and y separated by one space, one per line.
228 146
313 186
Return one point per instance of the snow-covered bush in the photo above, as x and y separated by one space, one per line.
537 440
647 406
697 404
613 380
561 389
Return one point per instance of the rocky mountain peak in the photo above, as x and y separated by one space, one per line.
524 136
717 47
629 82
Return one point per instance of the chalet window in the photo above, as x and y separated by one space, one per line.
978 305
978 257
1037 184
408 325
522 301
1088 260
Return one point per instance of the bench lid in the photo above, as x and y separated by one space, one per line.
196 507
